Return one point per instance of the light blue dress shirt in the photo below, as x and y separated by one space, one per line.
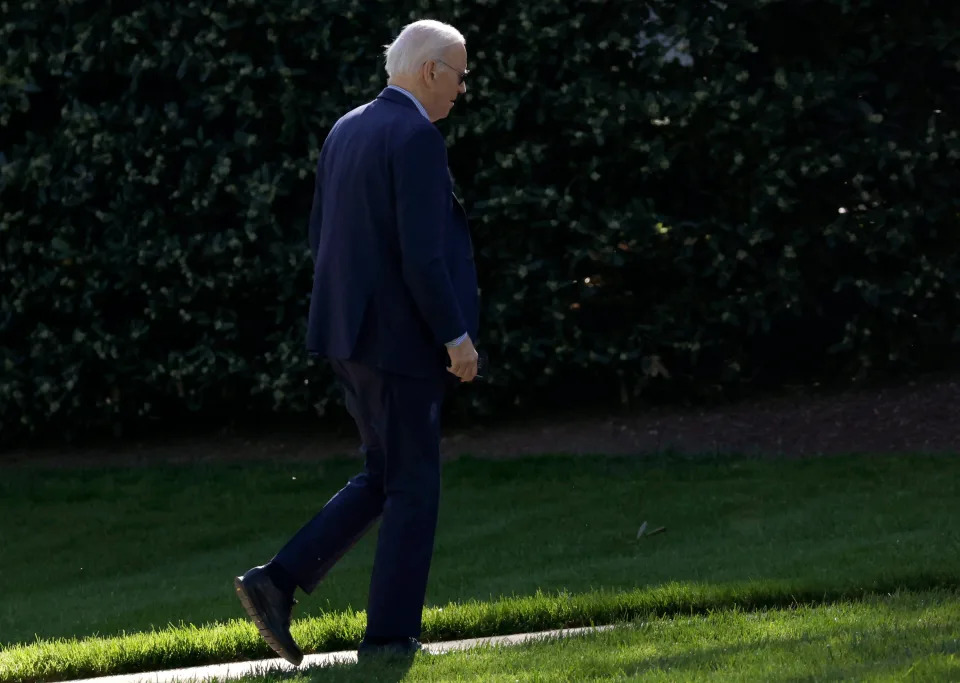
412 97
458 340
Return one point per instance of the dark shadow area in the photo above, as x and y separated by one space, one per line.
388 670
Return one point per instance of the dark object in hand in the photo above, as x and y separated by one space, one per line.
482 362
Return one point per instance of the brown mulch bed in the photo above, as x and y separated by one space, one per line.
920 416
916 417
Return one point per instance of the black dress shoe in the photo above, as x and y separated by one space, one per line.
405 647
270 609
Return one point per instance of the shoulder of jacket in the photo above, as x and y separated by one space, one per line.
423 132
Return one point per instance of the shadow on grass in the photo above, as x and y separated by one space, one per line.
844 653
383 670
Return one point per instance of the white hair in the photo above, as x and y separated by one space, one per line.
419 42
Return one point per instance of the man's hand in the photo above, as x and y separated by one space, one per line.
463 360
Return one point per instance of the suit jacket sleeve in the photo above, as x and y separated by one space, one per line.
421 193
316 217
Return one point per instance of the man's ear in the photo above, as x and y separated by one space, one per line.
432 68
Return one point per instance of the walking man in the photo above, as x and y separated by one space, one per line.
395 310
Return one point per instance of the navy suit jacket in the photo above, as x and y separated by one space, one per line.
394 277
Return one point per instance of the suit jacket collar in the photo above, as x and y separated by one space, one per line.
397 98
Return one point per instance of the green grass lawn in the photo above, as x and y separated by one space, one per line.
914 636
114 551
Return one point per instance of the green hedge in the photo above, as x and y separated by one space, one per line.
664 194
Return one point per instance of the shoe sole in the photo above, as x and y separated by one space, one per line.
266 633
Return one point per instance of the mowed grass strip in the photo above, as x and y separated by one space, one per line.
173 648
901 637
152 551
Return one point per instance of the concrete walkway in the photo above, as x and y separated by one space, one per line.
263 666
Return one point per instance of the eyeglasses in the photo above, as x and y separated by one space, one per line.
462 74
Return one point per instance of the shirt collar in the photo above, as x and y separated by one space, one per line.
412 97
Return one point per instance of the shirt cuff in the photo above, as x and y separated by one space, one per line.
458 341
